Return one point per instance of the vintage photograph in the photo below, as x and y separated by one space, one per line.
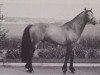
49 37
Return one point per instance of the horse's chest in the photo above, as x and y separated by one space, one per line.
71 36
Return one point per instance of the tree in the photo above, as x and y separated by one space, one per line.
3 32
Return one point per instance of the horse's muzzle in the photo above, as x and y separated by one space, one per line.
94 22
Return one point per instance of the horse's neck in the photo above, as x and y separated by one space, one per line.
77 24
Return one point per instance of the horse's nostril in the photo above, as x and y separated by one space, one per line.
95 23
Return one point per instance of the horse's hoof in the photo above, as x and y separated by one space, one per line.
30 70
64 71
27 66
72 69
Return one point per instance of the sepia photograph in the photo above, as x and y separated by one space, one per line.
49 37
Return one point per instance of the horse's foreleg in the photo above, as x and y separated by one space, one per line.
71 68
64 68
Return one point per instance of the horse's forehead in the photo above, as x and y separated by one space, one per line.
89 13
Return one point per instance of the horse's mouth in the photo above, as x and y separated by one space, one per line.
94 22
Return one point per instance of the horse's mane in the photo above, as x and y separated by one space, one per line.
68 24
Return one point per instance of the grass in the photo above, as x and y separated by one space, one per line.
76 60
42 60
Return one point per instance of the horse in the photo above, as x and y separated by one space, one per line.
65 35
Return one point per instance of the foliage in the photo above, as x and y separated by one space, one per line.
13 53
87 48
11 43
92 42
3 32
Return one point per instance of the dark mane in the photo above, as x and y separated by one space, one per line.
69 22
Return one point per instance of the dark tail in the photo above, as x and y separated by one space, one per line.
26 45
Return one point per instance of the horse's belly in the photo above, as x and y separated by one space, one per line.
58 39
56 35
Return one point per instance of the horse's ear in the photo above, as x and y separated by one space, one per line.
84 9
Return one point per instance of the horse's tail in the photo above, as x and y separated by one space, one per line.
26 45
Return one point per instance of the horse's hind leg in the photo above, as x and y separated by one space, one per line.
29 66
29 62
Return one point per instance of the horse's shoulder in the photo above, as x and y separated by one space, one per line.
71 35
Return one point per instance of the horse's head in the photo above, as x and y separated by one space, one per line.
90 17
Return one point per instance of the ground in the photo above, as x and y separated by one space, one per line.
9 70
